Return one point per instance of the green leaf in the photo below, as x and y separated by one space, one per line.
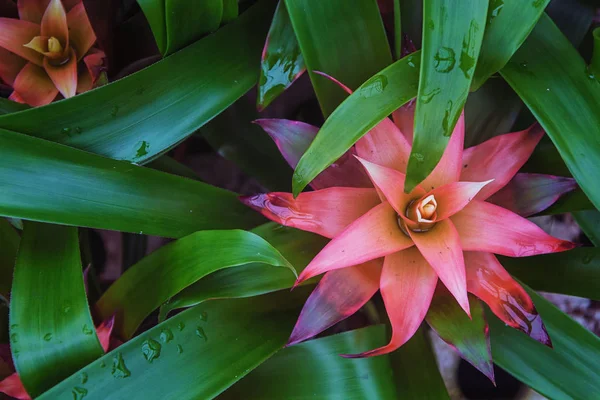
51 329
575 272
416 372
567 371
143 115
230 11
49 182
314 369
595 64
298 247
397 30
154 10
164 273
202 352
9 244
322 34
170 166
589 222
508 24
362 110
452 36
281 63
552 79
7 106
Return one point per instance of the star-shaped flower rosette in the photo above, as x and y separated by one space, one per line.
429 252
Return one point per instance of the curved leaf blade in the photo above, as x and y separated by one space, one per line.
9 245
452 36
50 321
188 21
48 182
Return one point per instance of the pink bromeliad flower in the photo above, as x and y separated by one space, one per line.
446 229
40 53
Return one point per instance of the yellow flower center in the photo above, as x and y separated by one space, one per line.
420 215
54 45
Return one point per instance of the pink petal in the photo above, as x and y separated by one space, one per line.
54 22
488 280
13 387
64 76
16 34
486 227
337 296
326 212
375 234
391 183
404 118
10 66
453 197
104 331
14 96
293 138
34 86
32 10
407 286
499 158
82 35
528 194
449 167
441 248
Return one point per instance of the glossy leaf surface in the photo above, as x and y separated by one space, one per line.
162 274
366 107
50 318
566 371
9 244
281 63
544 72
143 115
46 181
7 106
452 36
320 34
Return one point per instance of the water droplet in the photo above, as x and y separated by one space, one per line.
419 157
142 149
204 314
87 330
411 61
78 130
468 50
444 60
79 393
431 24
66 131
119 369
114 111
495 9
48 337
151 350
374 86
67 307
180 326
166 335
446 121
200 333
14 326
523 65
427 97
84 378
587 258
102 364
14 338
179 349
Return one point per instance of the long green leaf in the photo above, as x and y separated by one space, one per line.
164 273
7 106
366 107
569 370
589 222
51 329
575 272
595 64
9 244
315 370
452 36
322 33
297 246
552 79
143 115
195 355
49 182
509 22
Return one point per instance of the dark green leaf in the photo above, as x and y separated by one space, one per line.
230 11
552 79
9 244
170 166
282 63
509 22
397 30
567 371
589 222
452 36
322 34
7 106
575 272
143 115
143 287
46 181
51 330
595 65
370 104
154 10
202 352
314 369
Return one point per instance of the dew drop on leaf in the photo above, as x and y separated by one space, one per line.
87 330
180 326
200 333
166 335
204 314
427 97
374 86
79 393
444 60
48 337
119 369
114 111
151 350
84 378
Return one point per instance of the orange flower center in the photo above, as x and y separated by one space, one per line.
420 215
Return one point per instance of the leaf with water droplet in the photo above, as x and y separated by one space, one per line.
78 130
495 8
469 48
166 335
374 86
119 369
84 378
179 349
444 60
204 316
14 338
151 350
102 364
87 330
66 131
419 157
48 337
446 121
427 97
114 111
67 307
180 326
200 333
142 149
79 393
